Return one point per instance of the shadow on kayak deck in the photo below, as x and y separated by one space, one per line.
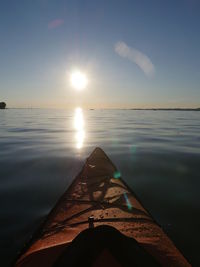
104 246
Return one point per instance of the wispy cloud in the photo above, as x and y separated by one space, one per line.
55 23
134 55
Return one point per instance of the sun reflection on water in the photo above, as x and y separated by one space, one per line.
79 127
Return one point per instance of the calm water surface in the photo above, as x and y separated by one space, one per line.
157 153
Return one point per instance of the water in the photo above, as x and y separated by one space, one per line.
157 153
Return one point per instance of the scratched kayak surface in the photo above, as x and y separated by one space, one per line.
98 196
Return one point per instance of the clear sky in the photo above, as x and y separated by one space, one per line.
135 53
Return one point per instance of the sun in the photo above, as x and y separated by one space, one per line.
78 80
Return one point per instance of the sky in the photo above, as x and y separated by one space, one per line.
136 54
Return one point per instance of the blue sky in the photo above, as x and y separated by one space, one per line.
42 41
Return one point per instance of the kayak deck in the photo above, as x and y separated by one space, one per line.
99 193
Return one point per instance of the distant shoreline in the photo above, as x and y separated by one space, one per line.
167 109
142 109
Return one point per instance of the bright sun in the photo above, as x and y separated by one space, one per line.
78 80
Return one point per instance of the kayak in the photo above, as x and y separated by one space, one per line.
99 221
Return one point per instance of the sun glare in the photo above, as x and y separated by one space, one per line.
78 80
79 127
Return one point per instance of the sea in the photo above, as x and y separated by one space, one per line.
156 152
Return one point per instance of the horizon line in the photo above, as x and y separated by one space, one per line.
111 108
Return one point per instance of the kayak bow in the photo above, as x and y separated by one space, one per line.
97 197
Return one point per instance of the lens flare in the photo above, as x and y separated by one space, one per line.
117 175
129 205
